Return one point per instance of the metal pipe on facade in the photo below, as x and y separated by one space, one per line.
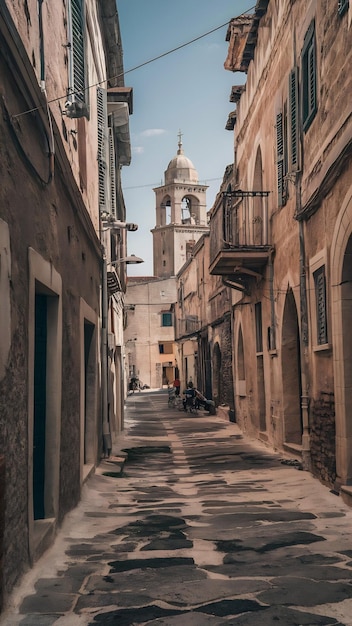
107 441
272 337
303 331
306 457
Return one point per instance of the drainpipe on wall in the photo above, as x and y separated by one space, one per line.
107 442
306 457
303 331
272 338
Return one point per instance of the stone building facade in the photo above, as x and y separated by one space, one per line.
149 335
196 344
203 325
53 190
281 231
181 220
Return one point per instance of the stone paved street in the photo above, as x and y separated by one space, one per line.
203 527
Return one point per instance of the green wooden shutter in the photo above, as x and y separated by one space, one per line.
342 6
280 158
293 121
309 78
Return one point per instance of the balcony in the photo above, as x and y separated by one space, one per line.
188 327
240 245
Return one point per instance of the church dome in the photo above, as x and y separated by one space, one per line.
181 168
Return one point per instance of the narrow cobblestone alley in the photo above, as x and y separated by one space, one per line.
201 527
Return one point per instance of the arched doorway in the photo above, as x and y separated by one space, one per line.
291 373
341 290
346 312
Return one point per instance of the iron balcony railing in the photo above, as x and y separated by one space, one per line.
241 219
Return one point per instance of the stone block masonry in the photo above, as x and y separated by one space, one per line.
323 438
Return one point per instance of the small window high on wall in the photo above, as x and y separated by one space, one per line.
320 302
281 155
166 319
166 348
309 78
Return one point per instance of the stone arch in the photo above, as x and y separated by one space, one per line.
165 211
190 209
341 299
291 372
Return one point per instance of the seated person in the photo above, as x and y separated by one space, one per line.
200 399
189 395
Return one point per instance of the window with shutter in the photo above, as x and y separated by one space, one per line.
320 300
77 93
342 6
166 319
293 121
112 173
78 50
309 78
279 159
102 148
281 156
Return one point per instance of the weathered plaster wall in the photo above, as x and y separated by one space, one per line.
44 218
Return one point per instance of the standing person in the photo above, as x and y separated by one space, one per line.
177 386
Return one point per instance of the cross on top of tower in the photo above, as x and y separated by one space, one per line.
180 150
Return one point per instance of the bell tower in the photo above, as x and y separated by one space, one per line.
181 216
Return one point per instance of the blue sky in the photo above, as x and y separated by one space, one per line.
188 89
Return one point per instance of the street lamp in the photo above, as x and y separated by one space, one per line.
113 280
108 222
129 260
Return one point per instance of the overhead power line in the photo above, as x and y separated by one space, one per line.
137 67
206 180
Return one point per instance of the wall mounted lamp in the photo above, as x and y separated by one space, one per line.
129 260
109 222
